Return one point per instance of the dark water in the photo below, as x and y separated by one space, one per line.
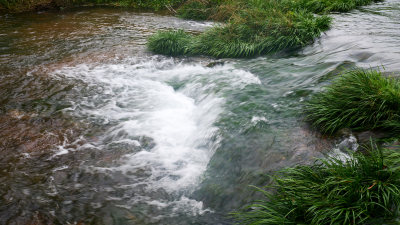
96 130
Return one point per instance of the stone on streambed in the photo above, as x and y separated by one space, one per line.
363 137
215 63
307 144
348 143
366 136
28 132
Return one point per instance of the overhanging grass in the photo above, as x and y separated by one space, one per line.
257 27
258 32
255 32
170 42
365 187
359 99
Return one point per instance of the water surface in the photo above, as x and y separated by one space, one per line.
96 130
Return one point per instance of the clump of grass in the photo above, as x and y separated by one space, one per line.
171 42
217 10
326 6
364 187
257 32
266 29
358 99
256 27
224 10
140 4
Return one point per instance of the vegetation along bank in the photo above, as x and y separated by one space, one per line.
32 5
360 188
251 27
364 189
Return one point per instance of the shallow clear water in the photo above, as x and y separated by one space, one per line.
95 129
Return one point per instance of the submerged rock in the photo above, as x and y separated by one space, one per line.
29 133
366 136
348 143
216 63
350 138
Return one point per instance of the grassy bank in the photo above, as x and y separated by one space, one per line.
254 27
251 27
360 100
32 5
364 188
356 191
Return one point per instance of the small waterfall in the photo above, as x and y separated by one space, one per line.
163 110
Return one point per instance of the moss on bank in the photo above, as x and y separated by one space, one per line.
355 191
257 27
31 5
253 27
360 100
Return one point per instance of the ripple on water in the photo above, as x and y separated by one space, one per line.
154 139
165 113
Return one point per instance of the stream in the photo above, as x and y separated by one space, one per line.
94 129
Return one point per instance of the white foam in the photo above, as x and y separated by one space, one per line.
338 154
60 168
257 119
138 99
184 204
340 151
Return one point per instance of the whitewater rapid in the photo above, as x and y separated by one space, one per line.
163 110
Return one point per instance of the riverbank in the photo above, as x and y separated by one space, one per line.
358 184
14 6
362 100
361 188
173 141
252 27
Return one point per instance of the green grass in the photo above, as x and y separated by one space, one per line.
360 100
207 9
254 32
171 42
195 10
252 27
326 6
365 187
258 27
258 32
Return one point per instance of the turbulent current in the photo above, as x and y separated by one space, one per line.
96 130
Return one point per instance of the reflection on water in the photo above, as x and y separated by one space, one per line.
94 129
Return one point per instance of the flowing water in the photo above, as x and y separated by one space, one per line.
96 130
